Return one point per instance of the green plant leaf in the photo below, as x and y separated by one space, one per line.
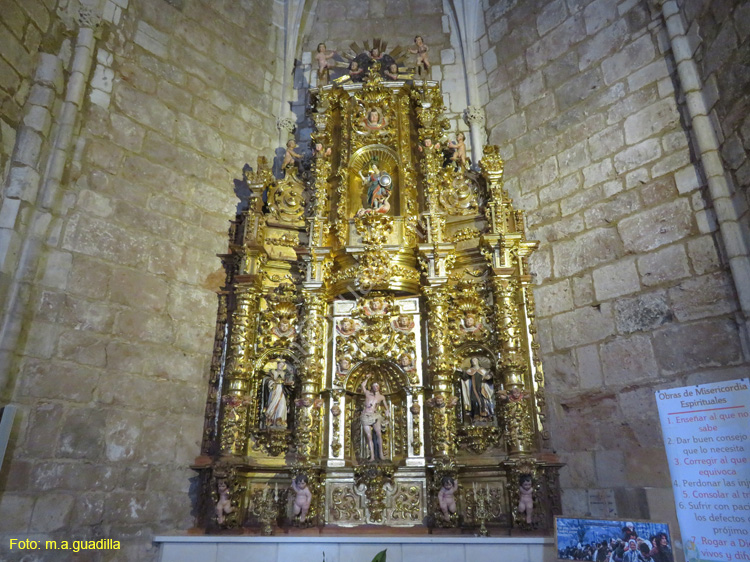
380 556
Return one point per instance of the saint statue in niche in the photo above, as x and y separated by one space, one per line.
277 384
373 421
477 392
378 190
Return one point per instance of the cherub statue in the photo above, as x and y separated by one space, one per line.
343 366
391 72
303 497
470 323
321 151
429 146
403 324
375 307
420 49
355 72
406 362
346 327
446 497
525 499
224 505
456 152
290 157
284 329
324 68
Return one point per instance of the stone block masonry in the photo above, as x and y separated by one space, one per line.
635 293
117 333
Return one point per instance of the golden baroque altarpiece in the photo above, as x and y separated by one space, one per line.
382 263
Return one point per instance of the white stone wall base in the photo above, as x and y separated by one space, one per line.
354 549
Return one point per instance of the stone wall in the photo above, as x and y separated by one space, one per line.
633 293
23 27
719 32
116 317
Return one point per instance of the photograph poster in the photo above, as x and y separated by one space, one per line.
612 540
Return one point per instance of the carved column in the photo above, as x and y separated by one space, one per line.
243 332
216 379
308 429
508 299
442 415
474 115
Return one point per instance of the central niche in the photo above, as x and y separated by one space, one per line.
367 165
393 382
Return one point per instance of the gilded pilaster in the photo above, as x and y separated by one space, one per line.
308 429
243 333
442 415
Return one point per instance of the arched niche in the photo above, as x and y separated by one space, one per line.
475 383
393 385
268 386
361 162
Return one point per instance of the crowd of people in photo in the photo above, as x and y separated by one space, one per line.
629 547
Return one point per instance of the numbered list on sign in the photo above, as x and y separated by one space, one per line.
706 433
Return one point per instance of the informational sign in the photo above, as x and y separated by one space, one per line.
706 432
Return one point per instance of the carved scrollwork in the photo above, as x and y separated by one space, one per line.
286 201
407 501
345 505
459 195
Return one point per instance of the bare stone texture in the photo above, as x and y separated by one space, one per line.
665 265
651 120
589 367
579 470
552 299
583 290
701 297
582 326
685 347
587 250
615 91
628 360
610 468
634 56
105 409
616 279
637 155
656 227
610 211
704 255
641 313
